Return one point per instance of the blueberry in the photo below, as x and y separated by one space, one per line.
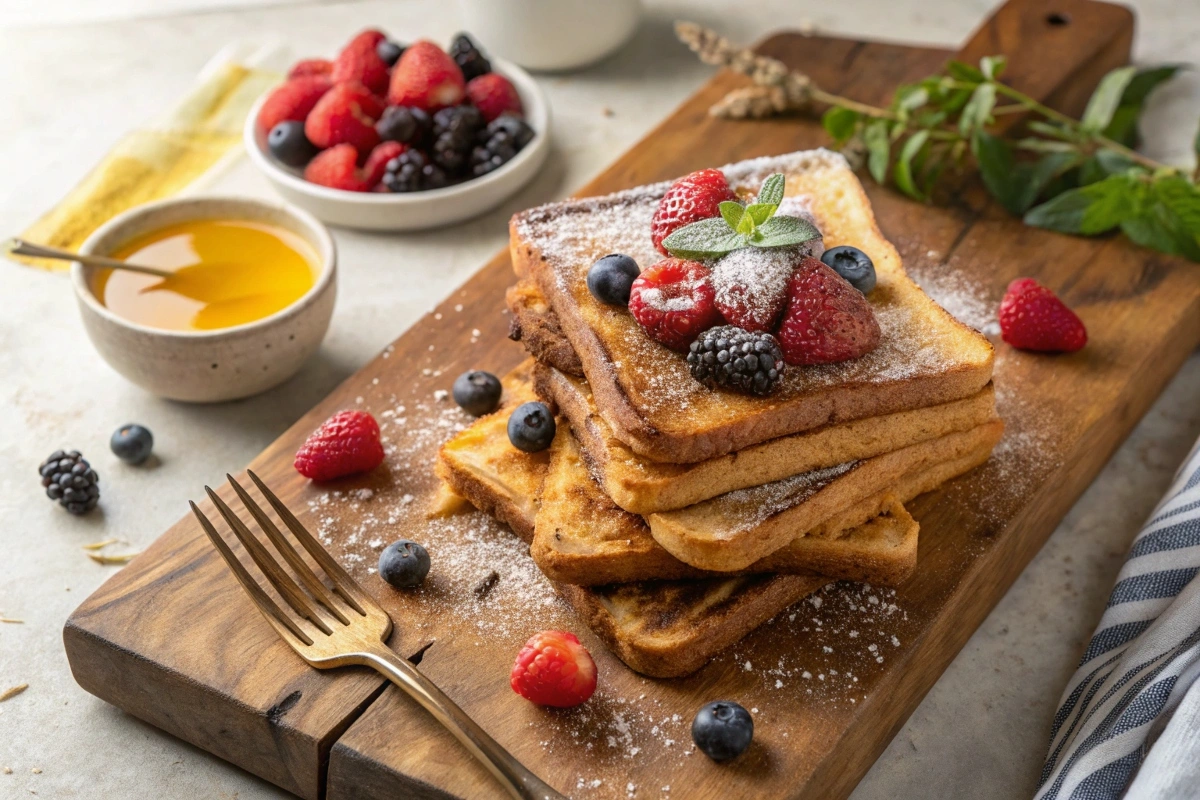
389 51
852 264
531 427
404 564
289 145
610 279
722 730
477 392
132 443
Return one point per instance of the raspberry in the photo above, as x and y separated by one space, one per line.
345 115
690 199
1033 318
359 62
292 101
673 302
554 669
426 78
494 95
310 66
337 168
826 319
347 443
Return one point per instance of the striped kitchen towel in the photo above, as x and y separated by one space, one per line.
1129 719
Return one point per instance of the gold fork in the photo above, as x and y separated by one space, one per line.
345 626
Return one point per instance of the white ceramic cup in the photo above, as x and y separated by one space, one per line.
551 34
217 365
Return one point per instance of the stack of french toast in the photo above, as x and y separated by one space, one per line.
678 506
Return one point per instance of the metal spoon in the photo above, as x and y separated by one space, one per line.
23 248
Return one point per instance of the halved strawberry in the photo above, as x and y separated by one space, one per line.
826 319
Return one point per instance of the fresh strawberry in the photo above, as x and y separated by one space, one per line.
347 443
377 161
1033 318
426 78
358 62
346 114
493 95
337 168
826 319
309 67
690 199
673 301
294 100
554 669
751 285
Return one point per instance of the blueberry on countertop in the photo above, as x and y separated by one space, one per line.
852 264
722 730
389 51
478 392
132 443
289 145
531 427
404 564
611 277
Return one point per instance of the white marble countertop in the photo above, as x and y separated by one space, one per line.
71 88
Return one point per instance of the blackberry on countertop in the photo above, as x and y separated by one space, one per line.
736 359
501 140
411 171
455 130
70 479
469 57
404 124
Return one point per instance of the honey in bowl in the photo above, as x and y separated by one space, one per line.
224 273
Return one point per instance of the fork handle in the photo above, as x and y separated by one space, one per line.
516 778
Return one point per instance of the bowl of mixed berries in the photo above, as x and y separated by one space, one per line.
391 136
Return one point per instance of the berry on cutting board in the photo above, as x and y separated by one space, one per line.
404 564
852 264
722 730
611 278
469 57
673 301
690 199
826 320
477 392
289 145
132 443
1032 317
751 363
427 78
346 114
359 62
293 100
345 444
554 669
531 427
70 479
494 95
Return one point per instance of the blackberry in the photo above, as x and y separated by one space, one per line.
455 130
737 359
469 58
70 480
411 171
404 124
501 140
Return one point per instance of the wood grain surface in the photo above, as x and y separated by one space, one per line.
172 640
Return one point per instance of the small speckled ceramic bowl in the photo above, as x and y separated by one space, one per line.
218 365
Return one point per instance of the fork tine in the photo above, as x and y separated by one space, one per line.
305 573
343 584
270 567
265 604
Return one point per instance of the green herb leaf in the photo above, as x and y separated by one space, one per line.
1053 130
1182 198
992 66
1035 145
875 136
784 232
963 72
731 212
1088 210
1101 165
1016 185
840 123
1196 150
978 110
746 225
1158 223
1124 125
771 193
708 238
903 171
911 97
1104 101
761 212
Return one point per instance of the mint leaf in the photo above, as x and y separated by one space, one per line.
771 193
1016 186
731 212
911 97
903 171
708 238
761 212
992 66
1104 101
1101 165
1124 125
978 110
746 225
963 72
1089 210
1159 227
840 123
875 136
1053 130
1182 198
784 232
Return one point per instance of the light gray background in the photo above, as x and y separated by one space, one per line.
76 74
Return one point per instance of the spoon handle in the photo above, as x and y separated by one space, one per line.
23 248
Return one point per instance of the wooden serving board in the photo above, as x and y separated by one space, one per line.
172 639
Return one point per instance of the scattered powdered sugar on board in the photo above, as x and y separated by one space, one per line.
965 299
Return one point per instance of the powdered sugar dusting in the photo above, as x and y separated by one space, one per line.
754 281
743 509
965 299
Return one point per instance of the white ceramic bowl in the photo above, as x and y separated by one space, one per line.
415 210
209 366
552 34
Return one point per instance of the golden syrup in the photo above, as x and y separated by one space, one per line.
224 273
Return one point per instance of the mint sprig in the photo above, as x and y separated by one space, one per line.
738 226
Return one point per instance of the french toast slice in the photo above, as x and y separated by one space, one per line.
536 327
645 392
582 537
642 486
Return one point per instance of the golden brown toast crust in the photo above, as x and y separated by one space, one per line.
644 391
536 327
